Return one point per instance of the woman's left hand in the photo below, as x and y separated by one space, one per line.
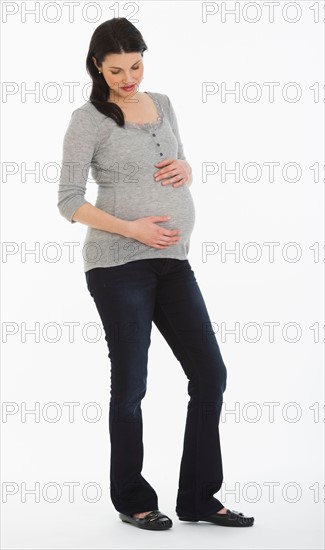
176 172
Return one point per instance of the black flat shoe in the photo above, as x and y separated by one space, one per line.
155 521
231 519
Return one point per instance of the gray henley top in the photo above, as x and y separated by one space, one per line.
122 162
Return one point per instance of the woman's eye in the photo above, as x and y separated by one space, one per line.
134 68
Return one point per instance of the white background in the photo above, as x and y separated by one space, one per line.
259 451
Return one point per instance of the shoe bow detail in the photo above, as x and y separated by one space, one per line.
152 516
239 518
155 520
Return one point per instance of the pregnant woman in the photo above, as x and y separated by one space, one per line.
137 272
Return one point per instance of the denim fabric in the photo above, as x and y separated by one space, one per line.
128 298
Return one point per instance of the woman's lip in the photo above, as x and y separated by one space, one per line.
128 87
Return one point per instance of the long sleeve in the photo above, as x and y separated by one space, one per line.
79 145
174 125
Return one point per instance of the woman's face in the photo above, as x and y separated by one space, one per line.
122 70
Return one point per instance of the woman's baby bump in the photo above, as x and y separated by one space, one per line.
151 198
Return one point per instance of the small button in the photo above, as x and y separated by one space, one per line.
158 144
154 135
161 154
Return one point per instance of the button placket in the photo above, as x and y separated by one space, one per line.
158 145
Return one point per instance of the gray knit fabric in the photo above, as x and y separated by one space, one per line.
121 162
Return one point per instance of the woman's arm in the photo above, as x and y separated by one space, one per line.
175 128
79 145
145 230
99 219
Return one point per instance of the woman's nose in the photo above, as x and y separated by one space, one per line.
127 77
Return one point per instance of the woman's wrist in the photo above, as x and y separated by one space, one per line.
126 228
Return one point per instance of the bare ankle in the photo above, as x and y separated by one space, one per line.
141 515
222 511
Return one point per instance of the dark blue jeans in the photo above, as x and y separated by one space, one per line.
128 298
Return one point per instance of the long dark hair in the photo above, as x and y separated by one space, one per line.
116 35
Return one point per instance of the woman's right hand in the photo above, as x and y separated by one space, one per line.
147 232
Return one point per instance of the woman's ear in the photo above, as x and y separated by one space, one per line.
95 62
